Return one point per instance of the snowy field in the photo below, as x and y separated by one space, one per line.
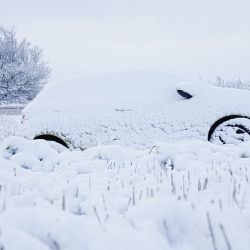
186 195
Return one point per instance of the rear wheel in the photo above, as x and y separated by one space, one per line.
55 141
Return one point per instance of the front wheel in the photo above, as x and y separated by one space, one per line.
232 129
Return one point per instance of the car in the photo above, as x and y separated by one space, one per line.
136 109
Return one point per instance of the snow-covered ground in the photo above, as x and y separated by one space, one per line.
185 195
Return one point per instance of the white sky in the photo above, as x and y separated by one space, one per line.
185 37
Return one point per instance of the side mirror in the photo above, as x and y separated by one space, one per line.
187 90
184 94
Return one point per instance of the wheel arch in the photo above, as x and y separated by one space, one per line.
49 136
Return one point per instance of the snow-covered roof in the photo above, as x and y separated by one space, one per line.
127 89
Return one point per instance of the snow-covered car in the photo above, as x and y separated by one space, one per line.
136 108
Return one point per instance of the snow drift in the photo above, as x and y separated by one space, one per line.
186 195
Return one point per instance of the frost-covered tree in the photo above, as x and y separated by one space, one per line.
23 71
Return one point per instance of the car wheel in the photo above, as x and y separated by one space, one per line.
55 141
232 129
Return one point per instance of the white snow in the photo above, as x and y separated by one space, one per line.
179 195
8 125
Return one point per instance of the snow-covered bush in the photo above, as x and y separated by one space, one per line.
22 69
236 84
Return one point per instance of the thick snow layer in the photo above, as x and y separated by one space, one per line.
185 195
131 109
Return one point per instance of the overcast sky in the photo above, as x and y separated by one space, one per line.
185 37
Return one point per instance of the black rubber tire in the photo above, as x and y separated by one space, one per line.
222 120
